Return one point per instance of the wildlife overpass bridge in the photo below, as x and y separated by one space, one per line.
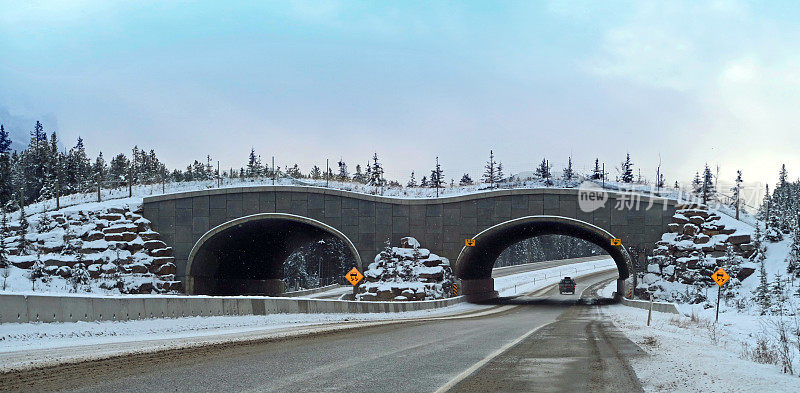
235 240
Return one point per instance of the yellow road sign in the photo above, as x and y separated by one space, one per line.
469 242
616 242
721 277
354 276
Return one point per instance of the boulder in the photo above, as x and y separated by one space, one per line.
162 252
128 236
154 244
64 271
673 227
23 264
139 288
111 216
109 268
739 239
701 239
113 237
92 236
120 228
679 219
690 229
726 231
176 286
697 220
744 273
409 242
158 261
149 235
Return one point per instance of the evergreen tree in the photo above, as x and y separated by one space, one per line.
568 173
412 182
316 173
358 177
627 169
763 210
737 191
465 180
23 229
778 295
697 184
294 172
253 165
118 169
490 174
376 173
543 172
437 176
343 175
3 235
36 272
6 186
501 177
793 259
597 173
707 190
424 182
762 293
5 141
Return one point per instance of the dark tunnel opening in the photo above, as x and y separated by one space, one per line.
247 256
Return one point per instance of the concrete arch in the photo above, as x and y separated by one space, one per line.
474 264
267 238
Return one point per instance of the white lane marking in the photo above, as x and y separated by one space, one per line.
482 362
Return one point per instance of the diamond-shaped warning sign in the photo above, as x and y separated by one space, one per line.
616 242
720 277
354 276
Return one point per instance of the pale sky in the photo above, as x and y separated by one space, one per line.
691 82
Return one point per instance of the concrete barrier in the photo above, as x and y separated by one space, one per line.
310 291
53 308
665 307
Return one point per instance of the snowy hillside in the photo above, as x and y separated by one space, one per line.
103 247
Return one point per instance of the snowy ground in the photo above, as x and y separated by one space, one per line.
694 354
24 343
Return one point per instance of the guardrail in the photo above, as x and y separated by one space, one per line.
310 291
45 308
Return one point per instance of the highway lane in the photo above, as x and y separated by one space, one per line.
418 356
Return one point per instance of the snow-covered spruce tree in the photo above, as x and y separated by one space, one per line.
343 174
412 182
79 277
3 235
707 190
543 172
597 173
737 191
627 170
793 258
358 177
778 294
697 184
423 182
465 180
762 294
376 178
36 272
23 230
315 173
437 176
501 177
253 166
763 210
490 173
568 172
295 271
